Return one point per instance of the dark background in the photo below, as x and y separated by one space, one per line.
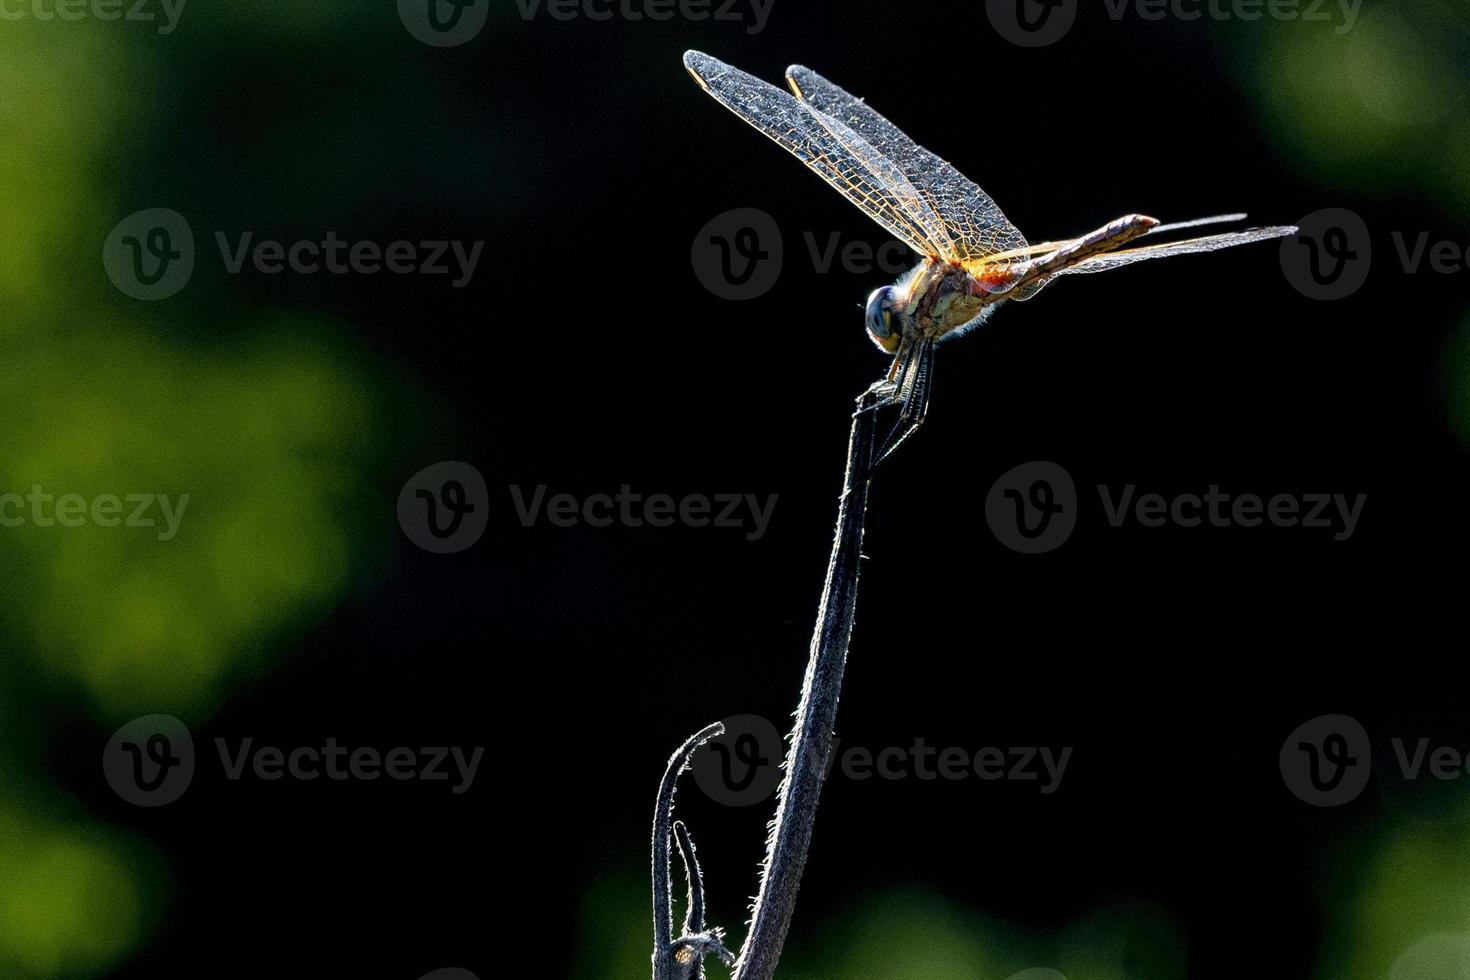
586 355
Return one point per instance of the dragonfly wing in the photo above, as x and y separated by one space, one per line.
1117 260
840 156
1218 219
1041 248
1213 243
974 223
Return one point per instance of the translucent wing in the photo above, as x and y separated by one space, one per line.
1213 243
1041 248
1218 219
1116 260
840 156
974 225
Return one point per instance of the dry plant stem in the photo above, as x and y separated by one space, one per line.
664 965
811 738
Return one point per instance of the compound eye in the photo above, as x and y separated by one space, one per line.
879 319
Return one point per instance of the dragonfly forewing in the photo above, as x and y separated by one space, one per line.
974 225
842 157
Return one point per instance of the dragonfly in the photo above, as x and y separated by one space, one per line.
973 258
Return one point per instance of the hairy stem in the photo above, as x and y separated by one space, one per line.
663 818
811 738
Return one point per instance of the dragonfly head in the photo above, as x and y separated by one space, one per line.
882 308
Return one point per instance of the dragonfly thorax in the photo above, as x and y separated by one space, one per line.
933 300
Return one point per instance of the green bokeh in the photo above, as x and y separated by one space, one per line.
902 934
274 426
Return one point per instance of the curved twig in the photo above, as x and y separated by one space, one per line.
663 815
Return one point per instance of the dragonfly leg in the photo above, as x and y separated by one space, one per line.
888 390
913 394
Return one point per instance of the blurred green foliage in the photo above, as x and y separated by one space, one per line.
904 934
278 434
74 898
1407 914
1382 110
